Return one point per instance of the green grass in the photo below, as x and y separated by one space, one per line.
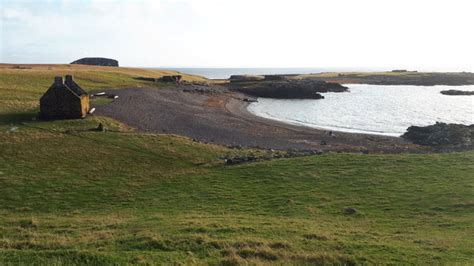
69 195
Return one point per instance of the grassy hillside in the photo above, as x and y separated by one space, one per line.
22 85
69 195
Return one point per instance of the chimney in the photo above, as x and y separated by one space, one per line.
58 81
68 78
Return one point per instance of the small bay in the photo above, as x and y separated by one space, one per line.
373 109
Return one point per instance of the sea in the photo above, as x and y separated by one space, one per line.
373 109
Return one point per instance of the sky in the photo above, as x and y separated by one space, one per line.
408 34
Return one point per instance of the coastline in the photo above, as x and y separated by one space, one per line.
324 128
364 113
221 117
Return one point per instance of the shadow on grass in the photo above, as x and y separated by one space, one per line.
17 118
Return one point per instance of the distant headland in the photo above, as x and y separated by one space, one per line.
96 61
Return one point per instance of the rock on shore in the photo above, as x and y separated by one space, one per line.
457 92
96 61
442 135
291 89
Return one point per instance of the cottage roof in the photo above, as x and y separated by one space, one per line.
72 85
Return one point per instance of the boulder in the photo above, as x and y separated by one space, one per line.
442 135
96 61
350 211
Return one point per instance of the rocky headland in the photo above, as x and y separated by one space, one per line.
289 89
442 136
96 61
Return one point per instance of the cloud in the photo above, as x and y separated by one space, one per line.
410 34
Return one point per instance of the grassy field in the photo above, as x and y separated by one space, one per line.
22 85
69 195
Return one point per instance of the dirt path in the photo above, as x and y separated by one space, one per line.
222 118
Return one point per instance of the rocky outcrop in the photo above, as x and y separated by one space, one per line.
442 136
96 61
245 78
457 92
174 78
291 89
279 77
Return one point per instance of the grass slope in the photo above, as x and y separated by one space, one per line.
73 196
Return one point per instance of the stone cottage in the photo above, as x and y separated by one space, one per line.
64 100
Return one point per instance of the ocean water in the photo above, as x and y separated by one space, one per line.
373 109
225 73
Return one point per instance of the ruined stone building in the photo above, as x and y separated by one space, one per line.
64 100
